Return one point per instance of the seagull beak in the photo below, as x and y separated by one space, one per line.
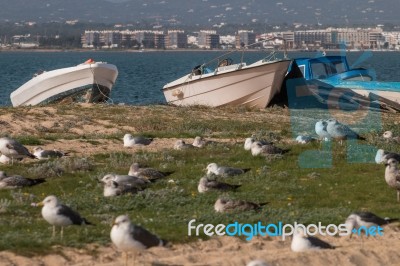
40 204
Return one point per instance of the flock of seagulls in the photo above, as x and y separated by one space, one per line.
127 237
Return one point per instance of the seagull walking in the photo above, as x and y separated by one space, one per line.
129 237
206 184
17 181
224 171
58 214
229 205
392 175
13 149
301 242
131 141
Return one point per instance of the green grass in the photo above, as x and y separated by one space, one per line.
295 194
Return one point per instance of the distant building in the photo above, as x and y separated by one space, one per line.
208 39
110 39
245 38
177 39
90 39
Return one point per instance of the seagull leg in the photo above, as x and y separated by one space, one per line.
62 232
54 231
398 195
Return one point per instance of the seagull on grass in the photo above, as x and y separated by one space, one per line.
229 205
112 189
392 175
129 237
17 181
4 159
224 171
365 219
61 215
14 150
131 141
40 153
340 131
251 140
182 145
200 142
133 181
150 174
321 130
389 136
257 148
301 242
206 184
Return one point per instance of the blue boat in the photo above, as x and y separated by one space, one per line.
327 76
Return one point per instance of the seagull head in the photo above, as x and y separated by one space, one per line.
388 134
37 149
127 137
392 163
107 178
50 201
134 167
122 221
212 168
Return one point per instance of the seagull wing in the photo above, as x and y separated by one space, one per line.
71 214
143 236
316 242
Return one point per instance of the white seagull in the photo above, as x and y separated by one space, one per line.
133 181
129 237
150 174
224 171
388 135
58 214
200 142
112 189
340 131
392 175
4 159
383 156
301 242
13 149
40 153
182 145
131 141
321 130
258 148
206 184
365 219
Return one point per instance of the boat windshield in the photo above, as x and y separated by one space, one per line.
322 70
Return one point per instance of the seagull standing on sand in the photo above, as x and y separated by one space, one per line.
228 205
383 156
130 141
13 149
392 175
224 171
150 174
365 219
206 184
301 242
340 131
129 237
321 130
40 153
58 214
17 181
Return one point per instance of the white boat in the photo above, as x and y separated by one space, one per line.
252 85
87 82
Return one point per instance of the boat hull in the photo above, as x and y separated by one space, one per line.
251 86
89 82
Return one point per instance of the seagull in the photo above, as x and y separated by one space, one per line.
304 139
249 141
129 237
130 141
257 263
213 168
388 135
301 242
321 130
182 145
4 159
227 205
126 180
150 174
17 181
200 142
112 189
13 149
382 156
40 153
392 175
257 148
365 219
206 185
58 214
340 131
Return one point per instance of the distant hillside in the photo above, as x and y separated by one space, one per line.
204 12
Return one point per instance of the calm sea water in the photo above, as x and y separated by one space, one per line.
143 75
